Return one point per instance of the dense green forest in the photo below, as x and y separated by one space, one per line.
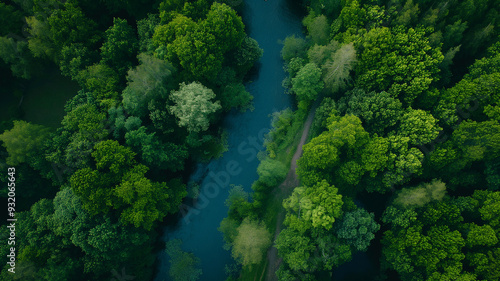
156 78
408 116
402 158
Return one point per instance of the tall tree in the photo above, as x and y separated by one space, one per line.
120 46
338 67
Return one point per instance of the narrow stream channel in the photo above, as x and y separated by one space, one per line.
268 22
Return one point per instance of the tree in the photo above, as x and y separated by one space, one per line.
166 34
23 141
314 206
234 95
70 25
420 126
155 153
183 265
271 172
318 29
10 19
251 242
307 83
17 55
293 47
75 58
482 236
337 68
120 46
421 195
198 53
150 80
319 53
141 201
193 106
323 156
294 248
378 111
40 42
246 55
408 14
358 228
120 183
225 25
392 61
100 80
145 31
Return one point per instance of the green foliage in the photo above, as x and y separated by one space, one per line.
481 236
358 228
399 61
318 28
75 58
101 80
421 195
153 152
17 55
315 206
183 265
70 25
138 200
419 126
294 248
271 172
337 68
23 141
293 47
167 33
251 242
307 83
378 111
150 80
145 31
10 19
120 46
193 106
246 55
200 52
225 25
319 53
40 43
234 95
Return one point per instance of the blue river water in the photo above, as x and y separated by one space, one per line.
269 22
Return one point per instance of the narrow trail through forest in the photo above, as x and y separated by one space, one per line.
284 190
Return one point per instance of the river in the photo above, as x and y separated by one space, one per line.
268 22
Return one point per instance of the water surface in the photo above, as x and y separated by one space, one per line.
268 22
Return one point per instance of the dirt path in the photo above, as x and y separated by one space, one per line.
285 189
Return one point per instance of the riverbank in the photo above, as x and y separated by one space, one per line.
288 153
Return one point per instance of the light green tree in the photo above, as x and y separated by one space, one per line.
315 206
338 67
23 141
251 242
193 106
